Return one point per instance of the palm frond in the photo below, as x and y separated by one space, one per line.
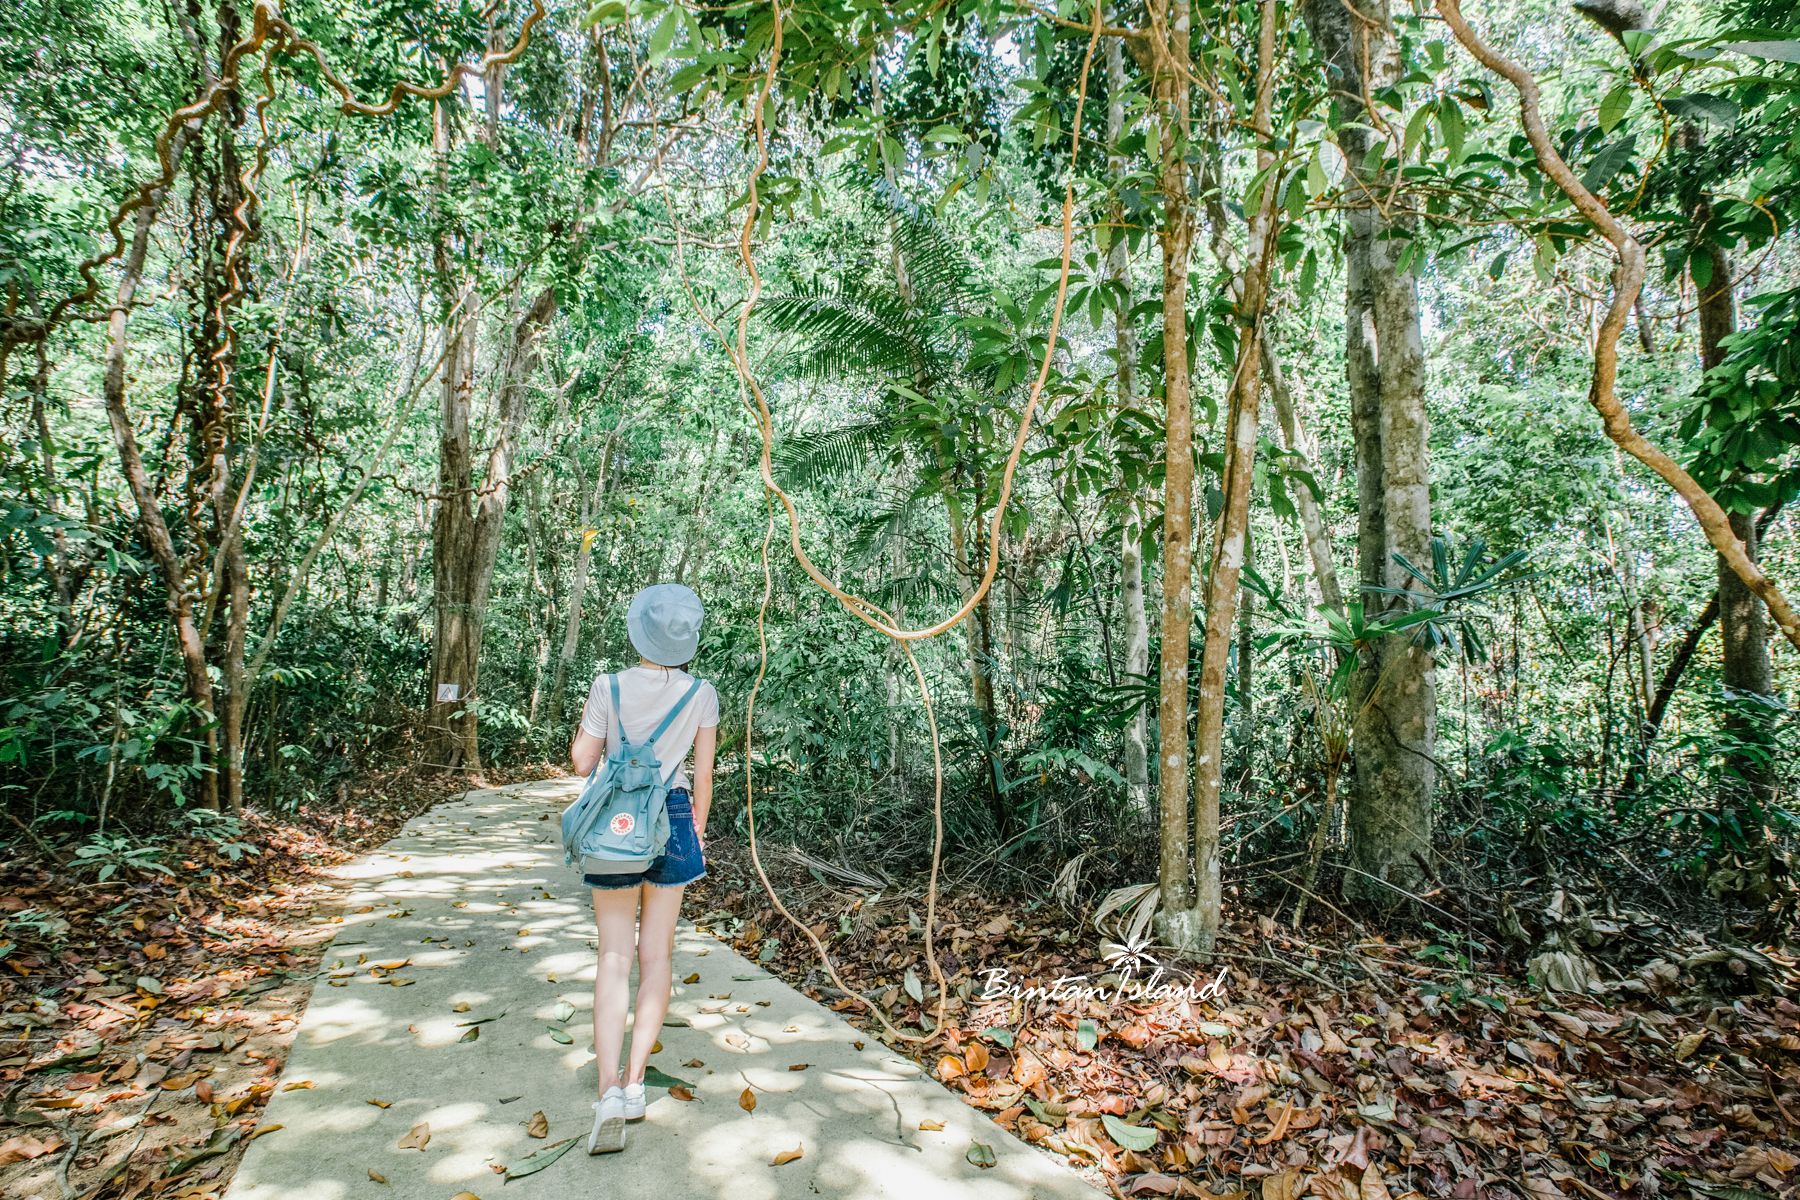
806 459
847 332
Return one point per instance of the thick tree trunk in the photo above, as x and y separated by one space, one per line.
1390 813
150 517
466 535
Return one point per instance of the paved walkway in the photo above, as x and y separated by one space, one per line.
472 897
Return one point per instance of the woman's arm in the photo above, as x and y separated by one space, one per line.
585 751
705 742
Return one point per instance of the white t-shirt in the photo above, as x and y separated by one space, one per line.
646 695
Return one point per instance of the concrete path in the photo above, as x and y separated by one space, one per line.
474 899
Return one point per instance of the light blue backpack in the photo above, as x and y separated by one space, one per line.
620 822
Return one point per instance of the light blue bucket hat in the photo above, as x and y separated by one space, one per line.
664 623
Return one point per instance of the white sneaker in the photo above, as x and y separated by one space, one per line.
635 1103
609 1123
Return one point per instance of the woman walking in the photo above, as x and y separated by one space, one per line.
636 910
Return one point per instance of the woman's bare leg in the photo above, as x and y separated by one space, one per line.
655 946
615 920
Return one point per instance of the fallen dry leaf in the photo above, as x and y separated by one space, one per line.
1373 1187
377 1176
25 1146
747 1101
694 978
799 1066
203 1092
416 1140
930 1125
459 1195
297 1085
787 1156
460 1006
681 1093
262 1129
693 1062
380 1103
539 1126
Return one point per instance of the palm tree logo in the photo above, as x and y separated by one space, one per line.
1133 957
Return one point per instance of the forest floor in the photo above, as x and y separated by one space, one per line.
147 1019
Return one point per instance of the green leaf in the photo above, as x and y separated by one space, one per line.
1700 267
1614 107
1129 1136
562 1036
562 1012
687 78
1703 106
1637 40
1779 51
913 988
609 12
472 1035
663 36
1086 1035
1415 131
981 1155
997 1034
531 1164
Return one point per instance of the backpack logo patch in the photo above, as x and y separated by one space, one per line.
622 823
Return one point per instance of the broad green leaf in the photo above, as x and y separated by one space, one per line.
997 1034
563 1036
913 988
981 1155
1614 107
1779 51
1129 1136
663 36
1637 40
1700 267
562 1012
1086 1035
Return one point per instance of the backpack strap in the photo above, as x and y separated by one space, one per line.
675 711
618 720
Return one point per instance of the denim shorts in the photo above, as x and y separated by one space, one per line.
680 862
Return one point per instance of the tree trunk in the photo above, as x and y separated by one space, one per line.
1230 544
1246 672
1179 920
1744 664
150 517
1390 812
1295 437
1134 618
466 535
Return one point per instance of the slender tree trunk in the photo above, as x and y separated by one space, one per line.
1246 672
1179 920
1133 617
1231 542
1296 437
150 516
605 478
